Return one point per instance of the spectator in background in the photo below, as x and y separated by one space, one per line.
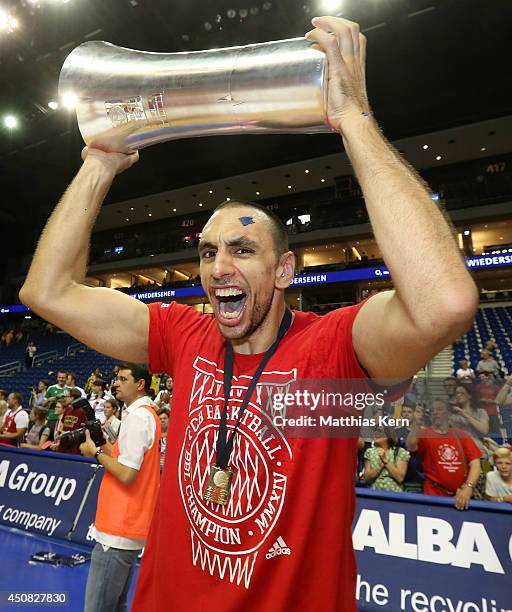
466 415
163 415
38 398
498 486
96 375
15 422
465 372
56 393
487 391
30 353
488 364
407 414
38 432
450 384
73 417
3 412
450 457
164 397
71 383
385 464
504 396
419 416
113 378
98 399
55 426
112 423
3 394
155 384
490 346
413 481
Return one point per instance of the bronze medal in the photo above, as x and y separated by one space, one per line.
219 485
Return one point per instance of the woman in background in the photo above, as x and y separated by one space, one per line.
385 463
38 432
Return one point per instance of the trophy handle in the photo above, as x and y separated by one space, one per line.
128 99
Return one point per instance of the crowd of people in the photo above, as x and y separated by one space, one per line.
56 409
447 446
454 445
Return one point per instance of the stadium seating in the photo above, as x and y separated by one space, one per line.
44 342
81 362
491 323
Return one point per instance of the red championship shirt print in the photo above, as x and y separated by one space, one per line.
226 539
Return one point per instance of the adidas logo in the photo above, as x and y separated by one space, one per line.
279 548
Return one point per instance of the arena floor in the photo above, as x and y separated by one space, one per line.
20 575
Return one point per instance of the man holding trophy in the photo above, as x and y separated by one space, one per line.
248 521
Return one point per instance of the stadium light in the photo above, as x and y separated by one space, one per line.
331 5
7 22
10 122
53 105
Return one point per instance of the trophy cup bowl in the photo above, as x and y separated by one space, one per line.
127 99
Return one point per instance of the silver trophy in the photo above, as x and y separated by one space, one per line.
127 99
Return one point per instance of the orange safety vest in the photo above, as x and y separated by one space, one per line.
127 509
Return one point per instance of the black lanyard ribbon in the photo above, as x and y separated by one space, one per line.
225 443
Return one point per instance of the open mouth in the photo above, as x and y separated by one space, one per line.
229 304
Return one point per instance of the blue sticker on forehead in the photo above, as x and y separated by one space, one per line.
246 220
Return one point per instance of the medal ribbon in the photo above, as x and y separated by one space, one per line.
225 443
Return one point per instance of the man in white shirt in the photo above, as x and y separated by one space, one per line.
465 372
127 495
71 382
16 421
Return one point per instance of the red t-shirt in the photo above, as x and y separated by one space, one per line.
73 418
488 393
442 459
284 540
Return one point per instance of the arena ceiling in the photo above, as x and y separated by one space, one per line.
432 65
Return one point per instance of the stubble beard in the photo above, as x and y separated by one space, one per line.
258 318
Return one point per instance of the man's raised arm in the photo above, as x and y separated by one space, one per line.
396 332
104 319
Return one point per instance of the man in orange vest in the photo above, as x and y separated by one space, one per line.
127 495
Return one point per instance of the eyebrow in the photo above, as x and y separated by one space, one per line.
240 242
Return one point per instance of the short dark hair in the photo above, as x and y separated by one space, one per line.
73 375
99 383
61 371
113 403
75 393
16 396
139 372
279 233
